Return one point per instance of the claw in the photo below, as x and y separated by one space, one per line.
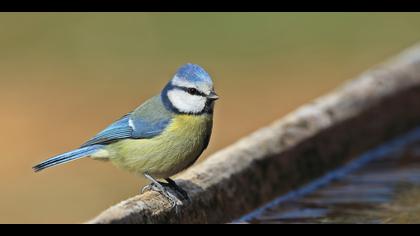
165 190
180 192
146 188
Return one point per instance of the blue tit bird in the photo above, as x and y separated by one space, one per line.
160 138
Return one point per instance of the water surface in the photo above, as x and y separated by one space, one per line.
380 186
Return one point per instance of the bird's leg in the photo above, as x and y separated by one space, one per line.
170 184
158 187
178 189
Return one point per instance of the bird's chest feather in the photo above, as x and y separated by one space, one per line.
189 127
187 136
177 147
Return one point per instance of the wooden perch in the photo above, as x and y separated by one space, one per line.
380 104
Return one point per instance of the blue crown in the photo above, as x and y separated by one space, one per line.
193 73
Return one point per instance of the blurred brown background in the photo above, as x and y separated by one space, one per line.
65 76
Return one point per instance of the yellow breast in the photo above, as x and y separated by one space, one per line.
176 148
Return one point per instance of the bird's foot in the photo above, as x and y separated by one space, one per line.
178 189
166 191
170 185
147 188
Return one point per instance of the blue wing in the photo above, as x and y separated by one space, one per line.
120 129
147 121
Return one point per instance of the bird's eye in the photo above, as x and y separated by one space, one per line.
192 91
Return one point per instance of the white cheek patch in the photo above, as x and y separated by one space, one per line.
186 102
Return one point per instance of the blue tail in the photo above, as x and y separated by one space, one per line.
66 157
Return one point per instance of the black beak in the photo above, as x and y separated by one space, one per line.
213 96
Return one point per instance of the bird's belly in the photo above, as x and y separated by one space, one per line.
167 154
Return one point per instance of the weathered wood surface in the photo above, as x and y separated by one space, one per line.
319 136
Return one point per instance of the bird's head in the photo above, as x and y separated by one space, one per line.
190 91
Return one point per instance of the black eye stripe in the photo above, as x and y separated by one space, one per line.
191 91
